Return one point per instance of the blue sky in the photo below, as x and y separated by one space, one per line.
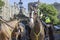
25 2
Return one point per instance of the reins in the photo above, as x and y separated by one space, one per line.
6 23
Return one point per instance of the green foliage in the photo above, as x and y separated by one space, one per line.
50 11
1 3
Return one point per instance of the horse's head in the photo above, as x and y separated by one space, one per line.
33 17
19 30
22 27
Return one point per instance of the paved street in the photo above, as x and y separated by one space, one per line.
57 36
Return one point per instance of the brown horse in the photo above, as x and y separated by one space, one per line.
19 33
15 33
37 29
7 28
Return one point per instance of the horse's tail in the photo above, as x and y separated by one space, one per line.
2 36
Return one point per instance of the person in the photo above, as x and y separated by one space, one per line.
49 26
47 20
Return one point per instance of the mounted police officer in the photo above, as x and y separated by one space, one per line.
48 28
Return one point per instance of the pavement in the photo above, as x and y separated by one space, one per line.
57 36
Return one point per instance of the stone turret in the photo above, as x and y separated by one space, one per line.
21 7
21 15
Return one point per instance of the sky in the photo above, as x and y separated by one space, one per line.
25 2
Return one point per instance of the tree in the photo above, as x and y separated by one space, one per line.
50 11
1 3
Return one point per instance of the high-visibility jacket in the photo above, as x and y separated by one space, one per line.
47 20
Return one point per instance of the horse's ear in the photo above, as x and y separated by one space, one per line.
16 24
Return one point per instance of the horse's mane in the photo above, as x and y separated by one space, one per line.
2 36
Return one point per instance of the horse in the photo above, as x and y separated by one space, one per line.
2 36
37 28
23 32
7 29
27 28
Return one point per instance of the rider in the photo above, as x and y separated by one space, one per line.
47 20
49 25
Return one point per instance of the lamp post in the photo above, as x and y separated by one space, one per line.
38 2
20 5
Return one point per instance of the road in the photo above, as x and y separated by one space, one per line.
57 35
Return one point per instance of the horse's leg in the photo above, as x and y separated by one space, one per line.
16 36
